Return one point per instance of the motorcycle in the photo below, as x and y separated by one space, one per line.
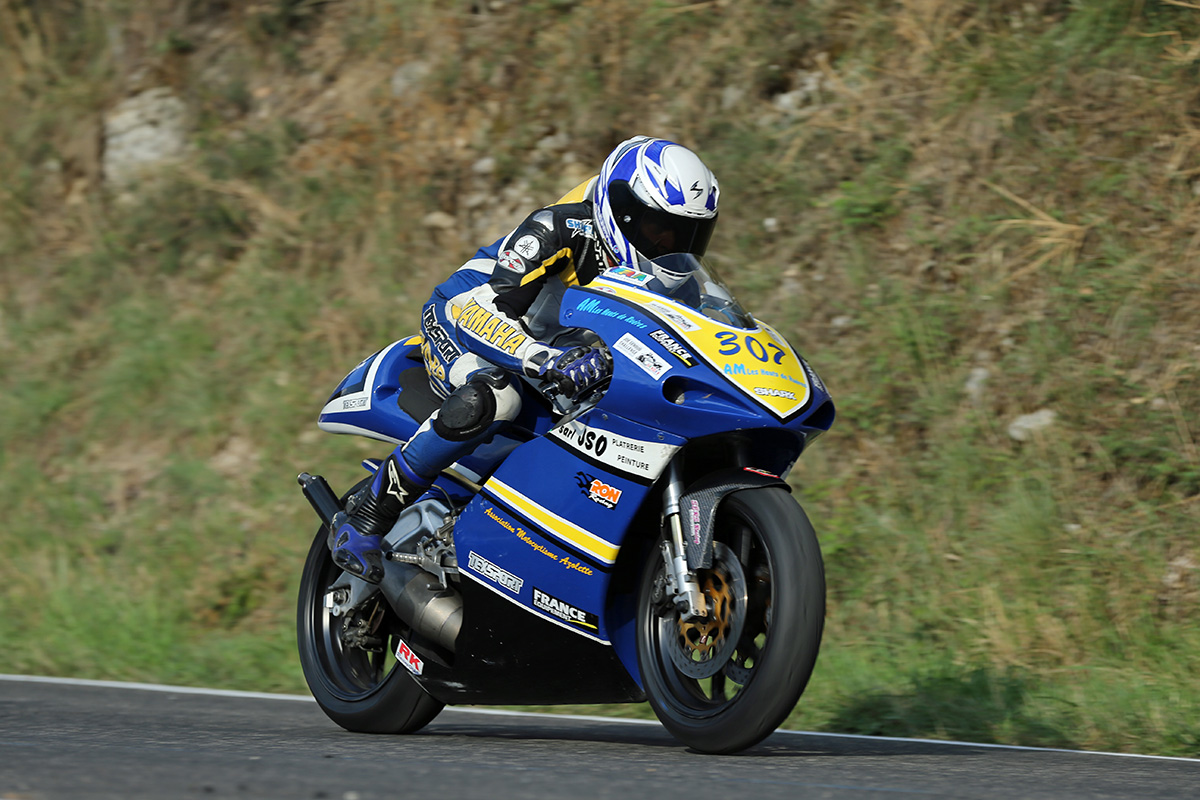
637 544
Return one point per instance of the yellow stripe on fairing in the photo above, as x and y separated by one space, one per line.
567 531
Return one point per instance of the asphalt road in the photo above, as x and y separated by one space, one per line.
92 740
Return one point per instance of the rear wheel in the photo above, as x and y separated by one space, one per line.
348 659
724 682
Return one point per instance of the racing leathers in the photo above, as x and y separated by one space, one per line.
502 305
493 318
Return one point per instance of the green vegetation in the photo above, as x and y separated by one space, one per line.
978 210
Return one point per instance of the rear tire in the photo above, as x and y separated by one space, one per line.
361 690
725 683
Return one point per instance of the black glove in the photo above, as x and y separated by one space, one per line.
577 370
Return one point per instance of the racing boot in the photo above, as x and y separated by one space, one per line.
356 534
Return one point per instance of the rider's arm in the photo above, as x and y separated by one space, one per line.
529 257
487 331
489 320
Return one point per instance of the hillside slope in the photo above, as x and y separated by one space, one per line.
979 220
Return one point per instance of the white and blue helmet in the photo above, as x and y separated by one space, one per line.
654 197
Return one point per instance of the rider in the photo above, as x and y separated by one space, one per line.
497 316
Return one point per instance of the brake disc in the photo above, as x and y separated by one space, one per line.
741 665
699 647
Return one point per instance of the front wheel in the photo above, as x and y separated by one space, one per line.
724 682
348 658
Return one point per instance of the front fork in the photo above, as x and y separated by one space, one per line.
682 586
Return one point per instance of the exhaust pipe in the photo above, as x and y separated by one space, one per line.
319 495
419 599
416 596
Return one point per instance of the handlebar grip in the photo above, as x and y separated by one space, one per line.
562 384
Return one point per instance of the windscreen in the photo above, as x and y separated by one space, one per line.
690 280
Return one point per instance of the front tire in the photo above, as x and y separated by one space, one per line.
359 685
725 682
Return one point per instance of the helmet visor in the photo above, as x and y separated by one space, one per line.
654 232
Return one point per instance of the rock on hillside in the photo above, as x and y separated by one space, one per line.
142 132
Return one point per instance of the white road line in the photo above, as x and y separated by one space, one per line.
158 687
154 687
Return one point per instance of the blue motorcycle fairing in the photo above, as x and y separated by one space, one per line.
370 401
350 406
560 533
664 383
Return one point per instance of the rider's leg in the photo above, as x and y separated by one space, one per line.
473 413
485 402
358 531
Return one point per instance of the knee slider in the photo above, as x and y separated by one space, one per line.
467 412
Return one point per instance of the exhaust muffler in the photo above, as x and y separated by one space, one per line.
417 596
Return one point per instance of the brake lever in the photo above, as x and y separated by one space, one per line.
568 409
559 400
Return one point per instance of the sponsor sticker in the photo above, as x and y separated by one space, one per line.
627 275
527 246
395 488
812 375
694 513
593 305
564 610
411 661
673 316
597 490
581 227
511 261
495 574
673 347
490 328
645 358
524 536
436 336
499 520
354 402
766 391
618 453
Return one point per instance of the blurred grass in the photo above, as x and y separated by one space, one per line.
998 195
